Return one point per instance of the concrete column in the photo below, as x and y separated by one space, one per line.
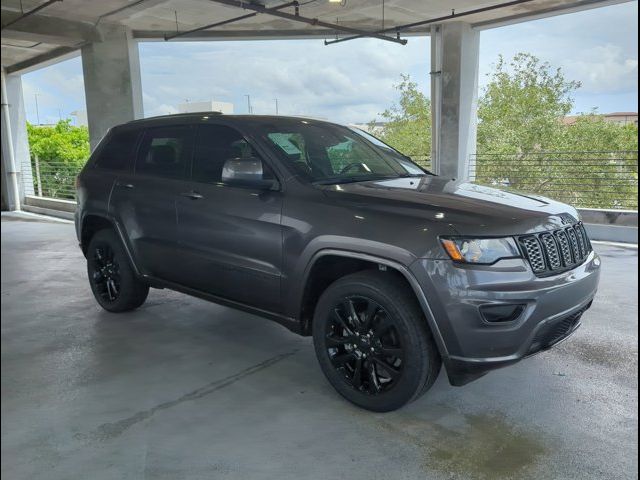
455 51
17 180
113 89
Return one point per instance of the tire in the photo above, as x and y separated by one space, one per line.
114 284
357 366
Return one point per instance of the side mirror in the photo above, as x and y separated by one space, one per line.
246 172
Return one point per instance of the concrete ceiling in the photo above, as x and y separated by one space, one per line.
61 28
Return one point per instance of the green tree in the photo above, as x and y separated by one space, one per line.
407 124
521 106
57 155
523 142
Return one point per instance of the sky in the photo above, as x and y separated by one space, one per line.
353 82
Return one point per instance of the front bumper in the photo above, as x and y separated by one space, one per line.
552 307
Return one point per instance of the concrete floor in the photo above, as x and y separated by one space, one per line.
184 389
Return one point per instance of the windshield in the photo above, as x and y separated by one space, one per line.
327 153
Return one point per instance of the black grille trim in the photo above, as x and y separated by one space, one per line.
556 251
556 331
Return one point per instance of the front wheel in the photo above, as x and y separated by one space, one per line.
372 341
113 282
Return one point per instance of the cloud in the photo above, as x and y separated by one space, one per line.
604 69
354 81
597 47
347 83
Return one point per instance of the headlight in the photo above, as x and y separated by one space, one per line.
480 250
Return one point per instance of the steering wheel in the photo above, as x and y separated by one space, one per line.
350 166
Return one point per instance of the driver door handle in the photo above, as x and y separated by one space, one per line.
192 195
124 185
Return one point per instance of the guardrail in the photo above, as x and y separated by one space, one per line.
606 180
54 179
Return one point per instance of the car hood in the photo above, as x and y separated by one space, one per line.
469 209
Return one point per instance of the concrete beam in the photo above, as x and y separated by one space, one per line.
455 48
540 13
113 89
46 29
43 60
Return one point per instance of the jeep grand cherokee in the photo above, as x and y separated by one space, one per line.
394 271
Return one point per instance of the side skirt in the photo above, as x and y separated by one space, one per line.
289 323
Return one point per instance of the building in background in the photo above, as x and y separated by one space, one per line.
210 106
374 128
621 118
80 118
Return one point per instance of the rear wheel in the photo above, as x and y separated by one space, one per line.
372 342
113 282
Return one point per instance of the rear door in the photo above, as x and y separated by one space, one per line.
230 236
144 201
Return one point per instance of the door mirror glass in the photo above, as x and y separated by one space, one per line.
246 171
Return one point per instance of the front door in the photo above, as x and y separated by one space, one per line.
230 236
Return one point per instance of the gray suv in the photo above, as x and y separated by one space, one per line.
330 232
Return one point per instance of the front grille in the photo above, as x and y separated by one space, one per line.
556 251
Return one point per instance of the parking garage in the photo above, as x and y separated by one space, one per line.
185 389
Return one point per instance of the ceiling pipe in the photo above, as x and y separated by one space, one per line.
225 22
309 21
451 16
29 13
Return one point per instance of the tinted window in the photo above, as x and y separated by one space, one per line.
328 153
215 145
165 151
118 150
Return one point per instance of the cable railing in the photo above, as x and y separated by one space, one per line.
53 178
607 180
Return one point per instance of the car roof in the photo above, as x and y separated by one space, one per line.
199 117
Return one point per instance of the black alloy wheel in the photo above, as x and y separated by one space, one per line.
106 275
364 345
114 283
372 341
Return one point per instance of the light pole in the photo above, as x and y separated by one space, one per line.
249 104
276 105
37 110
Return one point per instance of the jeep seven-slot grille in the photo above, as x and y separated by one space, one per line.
556 251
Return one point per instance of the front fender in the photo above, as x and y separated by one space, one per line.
370 251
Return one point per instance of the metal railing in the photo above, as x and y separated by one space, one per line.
54 179
607 180
423 160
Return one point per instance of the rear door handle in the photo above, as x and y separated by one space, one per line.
192 195
124 185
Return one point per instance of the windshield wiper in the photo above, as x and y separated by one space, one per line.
360 178
413 175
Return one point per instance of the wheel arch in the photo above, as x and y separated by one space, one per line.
92 223
361 261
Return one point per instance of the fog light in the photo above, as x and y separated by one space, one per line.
501 313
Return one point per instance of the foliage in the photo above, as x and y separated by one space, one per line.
523 142
521 107
408 124
57 154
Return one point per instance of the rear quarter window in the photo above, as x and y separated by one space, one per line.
118 151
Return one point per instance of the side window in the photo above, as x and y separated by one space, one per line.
165 151
215 144
117 154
